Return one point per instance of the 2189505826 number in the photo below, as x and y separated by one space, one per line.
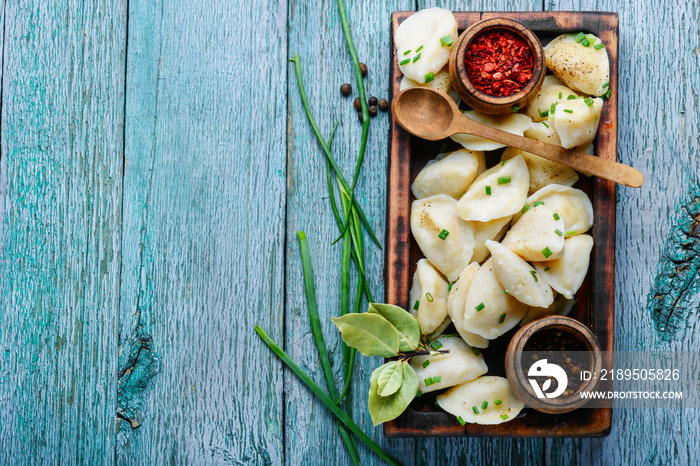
640 374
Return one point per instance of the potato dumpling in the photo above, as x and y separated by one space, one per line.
484 231
419 49
542 172
455 306
576 121
487 400
428 297
537 236
552 90
585 69
567 273
451 173
571 204
460 365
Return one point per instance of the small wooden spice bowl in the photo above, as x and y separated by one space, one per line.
488 103
518 375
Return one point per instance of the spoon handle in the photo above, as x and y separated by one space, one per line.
580 161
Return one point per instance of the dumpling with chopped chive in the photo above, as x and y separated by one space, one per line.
424 43
441 82
460 365
582 68
498 192
576 121
488 310
515 123
542 171
571 204
567 273
537 236
519 278
560 307
428 297
446 240
487 400
484 231
455 306
552 90
450 173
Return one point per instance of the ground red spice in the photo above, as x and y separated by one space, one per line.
499 63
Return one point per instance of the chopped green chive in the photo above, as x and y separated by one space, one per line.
546 269
503 164
608 94
534 275
428 381
570 232
558 232
502 318
556 216
585 42
560 95
579 37
480 307
605 84
537 203
475 409
588 101
446 41
436 345
443 234
488 190
552 109
418 394
546 252
568 110
461 421
484 405
416 58
449 287
426 364
505 291
516 108
419 49
497 402
525 207
437 378
571 97
595 118
504 180
407 52
545 124
429 297
476 351
504 416
543 114
599 46
429 77
415 306
404 62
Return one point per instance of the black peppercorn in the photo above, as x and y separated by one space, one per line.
357 104
372 110
383 105
359 116
363 68
372 101
346 89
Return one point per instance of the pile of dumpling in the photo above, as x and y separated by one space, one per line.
503 245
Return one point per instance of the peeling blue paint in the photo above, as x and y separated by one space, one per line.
676 281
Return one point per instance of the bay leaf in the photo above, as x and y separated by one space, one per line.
386 408
407 325
370 334
390 378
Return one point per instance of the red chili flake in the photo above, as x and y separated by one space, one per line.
499 63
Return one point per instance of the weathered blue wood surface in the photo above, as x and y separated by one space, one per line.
155 166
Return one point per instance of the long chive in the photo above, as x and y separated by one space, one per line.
318 334
342 417
302 93
351 356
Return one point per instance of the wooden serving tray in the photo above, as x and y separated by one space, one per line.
595 306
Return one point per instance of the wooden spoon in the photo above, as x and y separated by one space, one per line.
433 115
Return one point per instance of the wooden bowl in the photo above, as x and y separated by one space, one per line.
484 102
517 375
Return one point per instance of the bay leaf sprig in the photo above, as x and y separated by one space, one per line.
391 332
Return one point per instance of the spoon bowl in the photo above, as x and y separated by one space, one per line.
433 115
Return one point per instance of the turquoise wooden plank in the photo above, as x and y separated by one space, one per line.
315 33
60 191
481 451
658 134
204 207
